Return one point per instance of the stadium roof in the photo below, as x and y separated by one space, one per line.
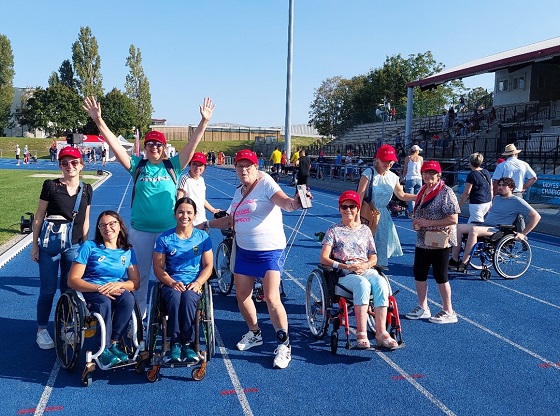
514 58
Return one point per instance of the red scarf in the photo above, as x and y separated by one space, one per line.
422 200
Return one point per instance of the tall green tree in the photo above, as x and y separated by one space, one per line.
119 112
6 81
56 110
87 64
137 88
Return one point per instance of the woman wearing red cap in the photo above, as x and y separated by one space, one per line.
56 204
349 246
384 184
436 209
255 213
192 184
154 190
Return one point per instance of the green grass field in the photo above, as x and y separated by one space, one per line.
19 193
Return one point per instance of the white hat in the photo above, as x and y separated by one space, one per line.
510 150
416 148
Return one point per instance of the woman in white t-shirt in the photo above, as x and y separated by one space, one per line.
255 213
411 174
192 184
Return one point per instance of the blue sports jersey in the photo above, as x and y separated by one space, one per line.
183 258
104 265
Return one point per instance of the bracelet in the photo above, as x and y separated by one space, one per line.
335 265
207 224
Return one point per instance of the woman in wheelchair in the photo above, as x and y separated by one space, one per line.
351 244
98 272
505 209
182 263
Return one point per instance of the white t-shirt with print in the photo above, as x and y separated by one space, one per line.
258 221
195 189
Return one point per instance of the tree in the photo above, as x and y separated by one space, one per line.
331 110
6 81
56 110
87 64
119 112
66 75
137 88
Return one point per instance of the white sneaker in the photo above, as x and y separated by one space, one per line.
419 313
44 340
249 340
283 356
443 317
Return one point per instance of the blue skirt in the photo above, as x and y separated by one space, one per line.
257 263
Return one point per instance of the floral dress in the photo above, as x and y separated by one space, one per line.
386 238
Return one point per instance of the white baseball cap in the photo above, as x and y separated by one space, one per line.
416 148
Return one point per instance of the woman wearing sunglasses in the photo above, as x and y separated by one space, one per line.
154 189
56 204
349 247
99 272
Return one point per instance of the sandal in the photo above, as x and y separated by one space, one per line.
386 342
362 341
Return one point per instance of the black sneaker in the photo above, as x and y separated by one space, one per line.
456 266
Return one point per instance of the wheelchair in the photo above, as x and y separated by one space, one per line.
74 322
510 257
328 302
157 338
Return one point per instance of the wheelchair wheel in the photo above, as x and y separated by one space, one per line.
317 304
221 266
512 258
131 341
154 318
68 325
207 318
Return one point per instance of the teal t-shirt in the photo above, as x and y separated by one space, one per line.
104 265
154 196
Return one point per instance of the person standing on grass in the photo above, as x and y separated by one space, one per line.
154 190
18 154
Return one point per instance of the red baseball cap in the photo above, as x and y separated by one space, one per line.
431 165
386 153
350 196
154 136
199 157
247 155
69 151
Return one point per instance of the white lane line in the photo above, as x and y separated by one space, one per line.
440 405
233 376
525 294
489 331
41 406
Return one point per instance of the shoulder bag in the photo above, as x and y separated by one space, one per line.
369 214
56 231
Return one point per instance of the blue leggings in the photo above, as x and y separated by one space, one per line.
181 313
121 310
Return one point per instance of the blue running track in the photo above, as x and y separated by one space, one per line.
502 357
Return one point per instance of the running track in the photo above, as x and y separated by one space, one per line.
503 357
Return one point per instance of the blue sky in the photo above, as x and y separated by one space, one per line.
235 51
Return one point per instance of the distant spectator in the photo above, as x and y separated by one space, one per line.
518 170
295 162
284 162
462 105
276 159
18 154
500 160
304 168
337 162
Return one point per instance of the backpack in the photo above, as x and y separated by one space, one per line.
142 163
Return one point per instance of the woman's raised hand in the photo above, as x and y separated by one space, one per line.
207 108
92 107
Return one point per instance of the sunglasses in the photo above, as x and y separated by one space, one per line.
74 163
345 207
243 167
156 144
111 224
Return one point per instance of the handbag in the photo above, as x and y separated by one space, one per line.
369 214
436 238
56 231
234 242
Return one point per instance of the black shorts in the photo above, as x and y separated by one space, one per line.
437 258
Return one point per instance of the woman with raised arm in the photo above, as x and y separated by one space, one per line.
154 192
